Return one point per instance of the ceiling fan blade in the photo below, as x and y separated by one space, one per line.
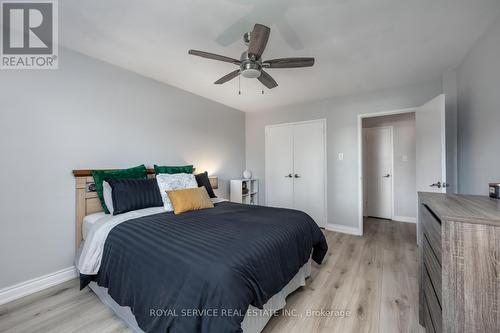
267 80
288 63
228 77
213 56
258 40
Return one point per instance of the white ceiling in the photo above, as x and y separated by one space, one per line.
359 45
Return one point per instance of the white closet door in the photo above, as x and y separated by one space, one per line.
279 166
309 169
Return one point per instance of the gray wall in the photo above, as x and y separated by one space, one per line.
89 114
479 115
404 173
341 115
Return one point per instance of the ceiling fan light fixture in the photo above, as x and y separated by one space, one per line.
251 73
250 70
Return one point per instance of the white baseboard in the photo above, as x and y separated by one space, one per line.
343 229
32 286
405 219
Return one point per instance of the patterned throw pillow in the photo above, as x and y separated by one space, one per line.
139 172
170 182
173 169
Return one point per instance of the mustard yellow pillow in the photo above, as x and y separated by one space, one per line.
189 199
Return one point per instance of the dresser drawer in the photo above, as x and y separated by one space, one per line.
459 262
432 302
429 326
433 268
431 226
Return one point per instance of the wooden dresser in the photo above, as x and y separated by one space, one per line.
459 263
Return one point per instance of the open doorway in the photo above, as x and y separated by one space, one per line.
430 162
389 167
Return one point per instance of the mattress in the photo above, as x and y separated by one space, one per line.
254 322
89 221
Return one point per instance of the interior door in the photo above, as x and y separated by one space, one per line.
378 161
279 166
309 141
431 146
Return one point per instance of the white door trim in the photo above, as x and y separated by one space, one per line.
443 145
323 122
391 128
360 157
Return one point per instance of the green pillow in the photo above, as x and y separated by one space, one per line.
173 169
139 172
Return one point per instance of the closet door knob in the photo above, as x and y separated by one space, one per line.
297 176
289 176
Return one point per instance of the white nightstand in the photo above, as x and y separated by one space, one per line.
250 197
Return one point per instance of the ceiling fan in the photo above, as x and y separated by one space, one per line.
251 64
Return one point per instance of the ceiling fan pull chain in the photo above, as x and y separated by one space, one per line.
239 85
262 88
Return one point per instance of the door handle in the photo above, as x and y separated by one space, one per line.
296 176
438 185
387 176
288 176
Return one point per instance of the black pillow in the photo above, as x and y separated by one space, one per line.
133 194
202 180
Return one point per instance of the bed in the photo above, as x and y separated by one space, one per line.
225 269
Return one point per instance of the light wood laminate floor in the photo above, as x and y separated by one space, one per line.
374 277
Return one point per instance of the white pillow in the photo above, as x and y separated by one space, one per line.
177 181
107 193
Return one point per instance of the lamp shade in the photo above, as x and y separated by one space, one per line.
214 181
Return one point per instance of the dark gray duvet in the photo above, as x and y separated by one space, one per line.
199 271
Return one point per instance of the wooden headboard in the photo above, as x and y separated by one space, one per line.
87 201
